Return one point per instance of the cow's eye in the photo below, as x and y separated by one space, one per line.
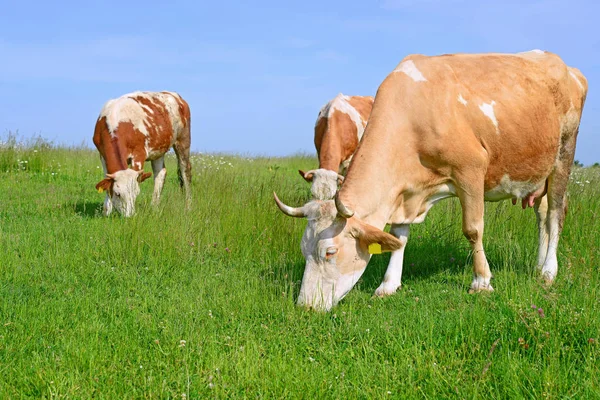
118 194
331 251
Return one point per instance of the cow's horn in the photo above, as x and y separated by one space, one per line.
342 209
287 210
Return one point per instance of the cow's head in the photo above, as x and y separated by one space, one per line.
336 248
324 182
123 188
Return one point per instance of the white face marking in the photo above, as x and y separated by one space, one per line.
324 184
125 190
323 284
409 68
576 79
462 99
341 103
488 110
509 189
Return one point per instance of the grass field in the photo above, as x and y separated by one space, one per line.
200 304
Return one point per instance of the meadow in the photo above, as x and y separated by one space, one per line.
200 304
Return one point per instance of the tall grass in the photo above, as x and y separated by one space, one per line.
199 304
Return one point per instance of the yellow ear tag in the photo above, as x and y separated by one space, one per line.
374 248
100 190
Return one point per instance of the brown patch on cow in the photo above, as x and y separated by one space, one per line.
111 149
160 131
362 104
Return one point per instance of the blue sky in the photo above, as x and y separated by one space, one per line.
256 73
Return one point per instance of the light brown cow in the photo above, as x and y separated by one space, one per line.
139 127
338 131
476 126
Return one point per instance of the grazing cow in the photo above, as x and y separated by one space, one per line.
338 131
476 126
139 127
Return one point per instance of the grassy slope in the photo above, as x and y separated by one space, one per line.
99 307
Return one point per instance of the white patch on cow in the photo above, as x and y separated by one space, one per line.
511 189
409 68
124 109
342 104
488 110
462 99
576 80
537 51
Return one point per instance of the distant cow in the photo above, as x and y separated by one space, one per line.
475 126
338 131
139 127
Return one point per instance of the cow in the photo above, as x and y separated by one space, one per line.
475 126
139 127
338 130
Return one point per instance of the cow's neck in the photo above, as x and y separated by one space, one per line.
114 154
330 153
378 184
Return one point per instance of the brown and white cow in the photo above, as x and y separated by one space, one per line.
476 126
139 127
338 131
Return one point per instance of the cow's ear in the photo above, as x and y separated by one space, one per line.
142 176
104 184
377 240
308 177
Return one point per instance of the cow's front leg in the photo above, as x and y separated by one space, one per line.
160 172
393 274
472 203
108 206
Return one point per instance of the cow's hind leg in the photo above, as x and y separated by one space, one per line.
541 213
393 274
160 173
471 195
557 204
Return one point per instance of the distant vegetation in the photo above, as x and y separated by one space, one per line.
200 304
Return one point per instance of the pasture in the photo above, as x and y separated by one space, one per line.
200 304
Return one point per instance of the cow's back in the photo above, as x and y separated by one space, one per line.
507 108
142 122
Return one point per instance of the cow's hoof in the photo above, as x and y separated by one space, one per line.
480 285
548 277
386 289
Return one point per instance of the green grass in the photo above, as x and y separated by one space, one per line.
99 307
